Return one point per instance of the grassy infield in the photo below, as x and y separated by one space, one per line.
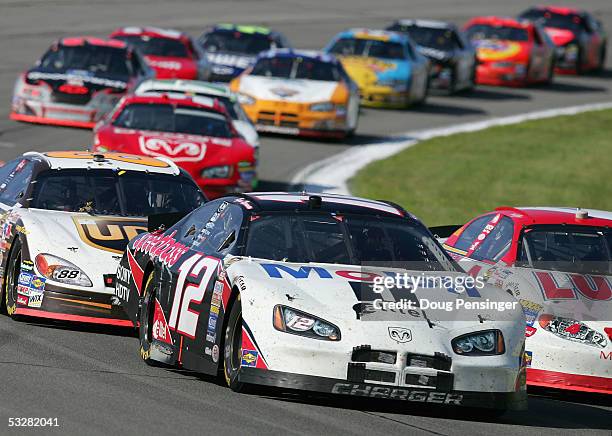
562 161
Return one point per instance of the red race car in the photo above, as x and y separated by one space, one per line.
580 38
511 52
194 132
172 54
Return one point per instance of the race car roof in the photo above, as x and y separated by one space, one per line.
149 31
557 216
430 24
183 86
278 201
242 28
180 99
91 40
500 21
380 35
561 10
291 53
105 161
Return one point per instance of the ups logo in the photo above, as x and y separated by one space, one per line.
109 233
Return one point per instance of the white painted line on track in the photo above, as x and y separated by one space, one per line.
332 174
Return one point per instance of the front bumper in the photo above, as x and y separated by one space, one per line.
290 118
71 115
496 76
67 305
571 382
492 400
384 96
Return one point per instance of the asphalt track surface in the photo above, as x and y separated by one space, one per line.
93 380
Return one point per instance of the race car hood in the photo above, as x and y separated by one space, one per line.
227 64
77 82
489 50
93 243
167 67
289 90
345 292
560 36
367 71
190 152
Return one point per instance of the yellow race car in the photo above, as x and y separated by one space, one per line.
388 69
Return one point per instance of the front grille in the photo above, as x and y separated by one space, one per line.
79 99
357 372
288 123
365 354
442 381
438 361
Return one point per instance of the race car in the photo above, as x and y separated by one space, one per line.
232 48
511 52
299 93
197 133
452 57
579 37
558 263
272 289
77 81
204 89
66 219
171 54
387 67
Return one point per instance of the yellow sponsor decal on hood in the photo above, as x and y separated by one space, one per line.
364 70
108 233
497 50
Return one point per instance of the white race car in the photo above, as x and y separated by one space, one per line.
283 290
298 92
67 217
558 263
204 89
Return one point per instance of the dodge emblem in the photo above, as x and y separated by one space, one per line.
400 334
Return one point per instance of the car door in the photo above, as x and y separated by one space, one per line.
539 68
195 312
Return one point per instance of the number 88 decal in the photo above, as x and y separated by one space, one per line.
182 318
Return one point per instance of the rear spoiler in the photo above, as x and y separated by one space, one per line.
164 220
441 233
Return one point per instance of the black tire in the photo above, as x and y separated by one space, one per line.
452 88
601 65
232 349
580 70
13 269
551 73
145 316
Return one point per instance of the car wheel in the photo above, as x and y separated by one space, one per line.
551 73
580 69
452 89
232 350
602 59
11 278
145 316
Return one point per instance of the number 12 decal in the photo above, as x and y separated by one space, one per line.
182 318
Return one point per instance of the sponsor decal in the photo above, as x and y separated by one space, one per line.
392 393
205 231
179 150
27 265
483 234
71 78
211 336
528 358
166 65
38 283
212 322
400 334
126 158
23 290
489 50
229 60
214 309
164 247
530 331
122 291
108 234
283 92
208 351
22 300
36 299
25 278
249 358
215 353
572 330
605 356
161 332
217 295
531 310
566 286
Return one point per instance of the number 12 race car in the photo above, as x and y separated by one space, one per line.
270 287
558 263
67 217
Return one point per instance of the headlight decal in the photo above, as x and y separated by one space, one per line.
293 321
60 270
482 343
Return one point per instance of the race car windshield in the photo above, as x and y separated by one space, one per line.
368 47
583 250
296 68
106 192
439 39
549 19
505 33
346 239
230 106
175 119
154 46
89 58
236 42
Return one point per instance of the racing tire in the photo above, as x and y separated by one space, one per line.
13 269
601 64
145 317
580 69
232 349
551 73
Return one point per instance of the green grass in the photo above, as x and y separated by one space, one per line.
561 161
